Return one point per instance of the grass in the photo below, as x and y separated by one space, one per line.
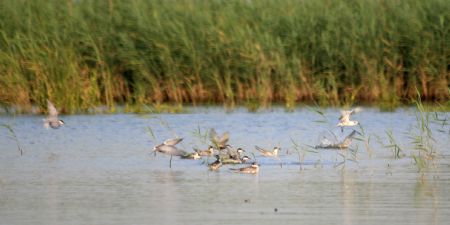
421 136
13 136
83 54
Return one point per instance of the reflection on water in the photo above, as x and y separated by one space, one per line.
98 170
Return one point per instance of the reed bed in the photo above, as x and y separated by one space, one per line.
86 53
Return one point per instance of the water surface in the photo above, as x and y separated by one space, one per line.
97 170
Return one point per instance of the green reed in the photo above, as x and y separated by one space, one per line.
87 53
421 136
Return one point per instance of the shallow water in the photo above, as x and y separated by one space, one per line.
98 170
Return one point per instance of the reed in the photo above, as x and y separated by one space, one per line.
86 53
13 136
421 136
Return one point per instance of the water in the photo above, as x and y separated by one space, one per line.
97 170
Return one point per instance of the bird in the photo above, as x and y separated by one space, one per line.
208 152
192 155
219 141
168 148
344 119
254 168
245 159
216 164
237 155
267 153
341 145
52 119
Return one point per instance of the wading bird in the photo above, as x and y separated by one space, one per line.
168 148
52 119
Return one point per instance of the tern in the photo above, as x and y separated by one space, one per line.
344 119
267 153
52 119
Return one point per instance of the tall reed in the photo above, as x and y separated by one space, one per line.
85 53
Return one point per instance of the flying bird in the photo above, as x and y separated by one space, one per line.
219 141
344 119
52 119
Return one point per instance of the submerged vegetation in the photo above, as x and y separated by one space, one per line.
83 54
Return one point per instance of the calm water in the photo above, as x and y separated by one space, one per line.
98 170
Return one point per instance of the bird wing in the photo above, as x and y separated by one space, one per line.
260 149
225 137
170 150
345 116
52 112
173 141
213 136
348 139
356 110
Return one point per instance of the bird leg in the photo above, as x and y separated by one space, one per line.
170 162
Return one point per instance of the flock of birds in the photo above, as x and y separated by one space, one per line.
219 148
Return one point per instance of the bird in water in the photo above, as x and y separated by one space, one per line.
192 155
234 157
267 153
208 152
219 141
52 119
245 159
341 145
168 147
216 164
344 119
237 154
252 169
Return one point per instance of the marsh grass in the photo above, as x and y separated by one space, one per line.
421 135
12 135
366 139
397 152
302 151
84 54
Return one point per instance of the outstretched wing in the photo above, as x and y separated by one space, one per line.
52 112
345 116
356 110
213 136
348 140
170 150
173 141
225 137
260 149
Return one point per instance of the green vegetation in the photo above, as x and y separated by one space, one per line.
86 53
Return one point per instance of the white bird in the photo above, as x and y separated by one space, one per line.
52 119
267 153
344 119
